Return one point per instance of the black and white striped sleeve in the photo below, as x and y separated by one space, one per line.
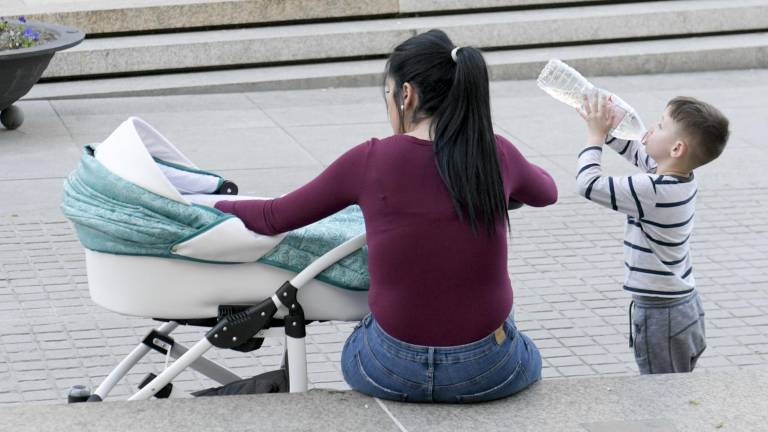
627 194
632 151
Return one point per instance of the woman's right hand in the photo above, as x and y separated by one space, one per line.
514 204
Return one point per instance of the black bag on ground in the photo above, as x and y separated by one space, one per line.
269 382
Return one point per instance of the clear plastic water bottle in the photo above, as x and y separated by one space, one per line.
567 85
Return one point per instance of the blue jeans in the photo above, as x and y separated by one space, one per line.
379 365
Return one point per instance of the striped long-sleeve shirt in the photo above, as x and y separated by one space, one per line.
659 209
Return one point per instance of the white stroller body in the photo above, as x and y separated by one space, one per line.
216 282
154 287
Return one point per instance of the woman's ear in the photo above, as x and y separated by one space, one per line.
409 95
680 149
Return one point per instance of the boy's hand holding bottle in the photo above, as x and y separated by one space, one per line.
600 116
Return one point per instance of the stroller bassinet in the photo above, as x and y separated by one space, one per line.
152 252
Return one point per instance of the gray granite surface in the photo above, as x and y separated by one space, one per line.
695 402
115 16
512 31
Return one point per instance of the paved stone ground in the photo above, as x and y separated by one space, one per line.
565 261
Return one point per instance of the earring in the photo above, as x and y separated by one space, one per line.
402 107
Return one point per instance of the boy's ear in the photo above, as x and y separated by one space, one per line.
680 149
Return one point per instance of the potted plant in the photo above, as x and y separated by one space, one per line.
26 48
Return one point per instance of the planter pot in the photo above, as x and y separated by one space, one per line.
21 68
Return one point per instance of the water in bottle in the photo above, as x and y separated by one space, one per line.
567 85
628 125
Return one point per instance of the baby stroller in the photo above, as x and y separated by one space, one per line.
152 250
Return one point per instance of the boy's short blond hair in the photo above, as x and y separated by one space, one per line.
703 124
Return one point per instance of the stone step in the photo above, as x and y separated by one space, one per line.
728 401
661 56
120 16
307 43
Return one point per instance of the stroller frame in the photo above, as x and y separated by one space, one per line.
232 331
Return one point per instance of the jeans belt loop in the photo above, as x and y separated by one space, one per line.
367 320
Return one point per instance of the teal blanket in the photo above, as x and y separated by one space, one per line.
302 246
115 216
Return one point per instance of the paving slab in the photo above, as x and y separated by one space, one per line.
243 148
325 143
269 182
39 153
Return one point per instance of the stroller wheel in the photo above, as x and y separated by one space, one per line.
227 188
12 117
78 393
164 392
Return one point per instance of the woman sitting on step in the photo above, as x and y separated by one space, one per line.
435 197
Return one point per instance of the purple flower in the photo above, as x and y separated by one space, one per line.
22 19
31 34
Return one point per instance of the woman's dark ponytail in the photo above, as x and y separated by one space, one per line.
455 94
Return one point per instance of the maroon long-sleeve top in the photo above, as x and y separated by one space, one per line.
433 281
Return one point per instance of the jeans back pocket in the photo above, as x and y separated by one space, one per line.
375 386
515 382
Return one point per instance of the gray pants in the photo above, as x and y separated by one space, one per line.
669 334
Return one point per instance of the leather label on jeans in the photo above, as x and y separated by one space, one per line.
500 335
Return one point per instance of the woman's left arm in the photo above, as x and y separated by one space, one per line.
529 183
337 187
536 187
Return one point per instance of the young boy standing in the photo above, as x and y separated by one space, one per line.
668 320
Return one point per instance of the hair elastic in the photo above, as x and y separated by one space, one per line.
454 52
